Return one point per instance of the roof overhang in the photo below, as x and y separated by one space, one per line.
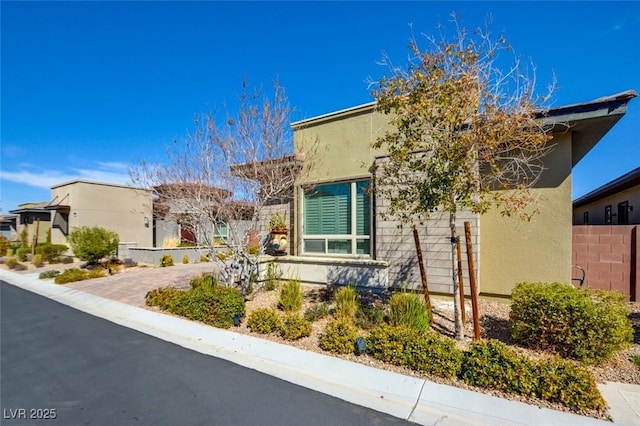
588 122
261 171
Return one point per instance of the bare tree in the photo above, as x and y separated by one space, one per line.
466 133
229 168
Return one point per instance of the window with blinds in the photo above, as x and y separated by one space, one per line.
337 219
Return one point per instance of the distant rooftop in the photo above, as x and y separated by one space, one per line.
624 182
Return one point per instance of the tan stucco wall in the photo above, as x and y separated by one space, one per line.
117 208
540 250
596 209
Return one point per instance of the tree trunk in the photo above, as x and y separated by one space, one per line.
457 313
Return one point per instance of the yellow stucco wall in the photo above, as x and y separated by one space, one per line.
118 208
513 250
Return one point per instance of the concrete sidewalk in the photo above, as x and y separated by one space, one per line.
410 398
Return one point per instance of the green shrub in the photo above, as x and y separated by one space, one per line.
264 320
636 359
4 245
161 297
67 260
290 299
10 252
428 352
166 260
339 336
409 310
205 257
346 299
74 274
589 326
71 275
185 259
369 316
293 327
51 252
563 381
11 262
492 364
206 281
37 260
316 311
93 243
214 306
23 253
48 274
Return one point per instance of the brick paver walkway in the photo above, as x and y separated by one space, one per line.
130 286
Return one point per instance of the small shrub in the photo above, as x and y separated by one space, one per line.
589 326
67 260
48 274
161 297
317 311
11 262
10 252
205 257
290 299
346 299
205 281
71 275
170 242
96 273
51 252
37 260
563 381
185 259
214 306
23 253
636 359
409 310
166 260
339 336
294 327
4 245
428 352
254 250
93 243
492 364
369 316
264 320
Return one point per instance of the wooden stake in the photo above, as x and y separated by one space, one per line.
472 281
460 281
423 273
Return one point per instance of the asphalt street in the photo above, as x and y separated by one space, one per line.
82 370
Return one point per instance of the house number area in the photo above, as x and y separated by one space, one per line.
29 413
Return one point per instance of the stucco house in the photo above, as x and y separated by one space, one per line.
123 209
614 203
35 218
8 227
339 236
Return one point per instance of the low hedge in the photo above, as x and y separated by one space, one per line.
589 326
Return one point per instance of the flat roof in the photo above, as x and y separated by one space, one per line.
91 182
619 184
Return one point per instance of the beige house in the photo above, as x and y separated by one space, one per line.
338 226
122 209
614 203
35 219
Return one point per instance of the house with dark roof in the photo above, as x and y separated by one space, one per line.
614 203
35 219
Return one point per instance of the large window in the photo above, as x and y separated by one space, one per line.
220 232
337 219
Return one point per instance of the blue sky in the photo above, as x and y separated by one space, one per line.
89 88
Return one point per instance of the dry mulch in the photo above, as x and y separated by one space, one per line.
494 323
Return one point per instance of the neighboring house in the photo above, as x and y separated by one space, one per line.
185 212
614 203
338 223
123 209
35 218
8 227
